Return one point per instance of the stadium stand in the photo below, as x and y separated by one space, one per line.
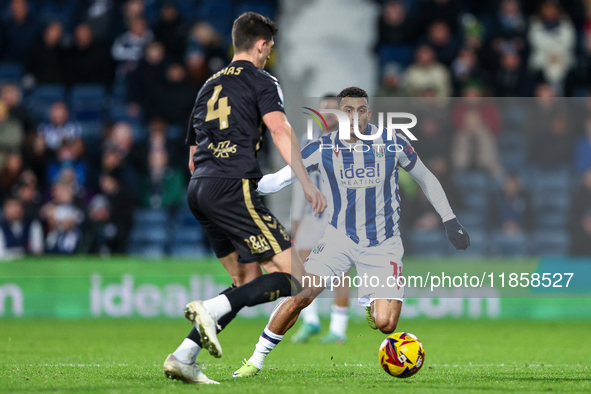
113 169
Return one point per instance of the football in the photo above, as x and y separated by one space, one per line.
401 355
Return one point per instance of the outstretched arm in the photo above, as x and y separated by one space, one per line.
288 147
272 183
433 190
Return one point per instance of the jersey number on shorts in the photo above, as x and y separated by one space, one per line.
397 272
223 110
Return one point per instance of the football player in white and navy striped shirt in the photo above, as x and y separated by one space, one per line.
307 228
363 217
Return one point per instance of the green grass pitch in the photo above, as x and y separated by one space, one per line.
126 356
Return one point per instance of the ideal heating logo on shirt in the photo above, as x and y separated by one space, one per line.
357 176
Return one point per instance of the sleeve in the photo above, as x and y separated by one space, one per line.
272 183
191 134
432 189
270 95
406 155
312 155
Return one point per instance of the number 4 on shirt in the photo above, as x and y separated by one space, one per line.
223 110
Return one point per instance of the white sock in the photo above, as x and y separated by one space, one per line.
217 306
339 319
187 352
310 314
267 342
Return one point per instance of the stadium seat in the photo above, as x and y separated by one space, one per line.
215 9
551 201
402 54
509 244
187 9
150 217
43 97
175 132
428 243
61 11
513 115
260 7
189 251
188 235
551 220
550 243
472 181
118 112
218 13
551 180
87 102
476 201
140 131
153 251
119 92
185 218
91 131
12 72
473 219
512 150
509 141
149 234
513 161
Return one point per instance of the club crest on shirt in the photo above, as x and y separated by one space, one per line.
379 150
319 248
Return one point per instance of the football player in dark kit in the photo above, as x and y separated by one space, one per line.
231 113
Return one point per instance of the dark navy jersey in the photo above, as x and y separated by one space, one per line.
226 122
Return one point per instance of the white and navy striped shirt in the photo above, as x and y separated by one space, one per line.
364 201
300 208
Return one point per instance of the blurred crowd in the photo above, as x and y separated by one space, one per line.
516 171
94 100
95 97
505 47
524 183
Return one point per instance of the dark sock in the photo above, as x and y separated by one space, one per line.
223 322
265 288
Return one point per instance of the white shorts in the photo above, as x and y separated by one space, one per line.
310 230
377 266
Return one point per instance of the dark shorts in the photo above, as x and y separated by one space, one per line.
234 217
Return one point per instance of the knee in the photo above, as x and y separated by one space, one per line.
247 274
386 324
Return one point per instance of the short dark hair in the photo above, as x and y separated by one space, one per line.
249 28
352 91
